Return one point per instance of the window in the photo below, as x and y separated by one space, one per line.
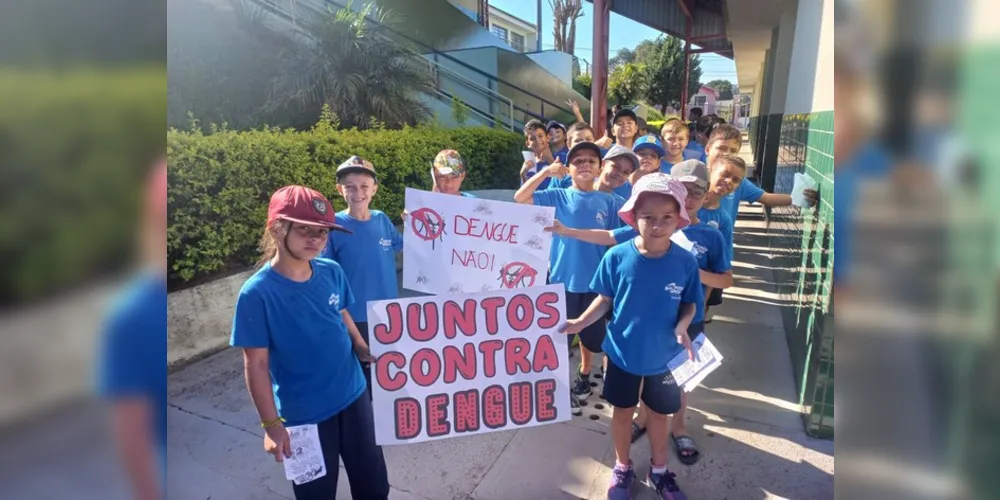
700 100
517 41
500 31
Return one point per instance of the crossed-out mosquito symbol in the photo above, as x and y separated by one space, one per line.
517 275
427 225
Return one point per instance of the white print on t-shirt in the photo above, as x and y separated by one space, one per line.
335 300
698 250
714 223
675 291
386 243
601 216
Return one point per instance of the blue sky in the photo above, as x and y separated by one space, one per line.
624 33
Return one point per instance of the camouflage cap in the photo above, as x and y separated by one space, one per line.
449 162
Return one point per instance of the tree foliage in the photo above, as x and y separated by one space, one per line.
627 83
725 88
663 60
582 84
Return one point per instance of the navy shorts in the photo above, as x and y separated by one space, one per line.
365 367
591 337
659 392
715 298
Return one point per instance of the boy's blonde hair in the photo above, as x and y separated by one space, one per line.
725 132
674 127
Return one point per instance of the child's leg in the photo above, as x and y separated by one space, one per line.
363 459
586 358
656 426
621 389
325 487
621 433
661 397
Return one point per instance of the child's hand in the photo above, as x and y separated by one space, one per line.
557 169
571 327
604 142
277 442
364 354
528 165
573 105
684 339
557 228
405 215
812 196
545 155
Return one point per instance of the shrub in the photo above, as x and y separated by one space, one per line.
76 148
220 183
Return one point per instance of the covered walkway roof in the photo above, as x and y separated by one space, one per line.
708 20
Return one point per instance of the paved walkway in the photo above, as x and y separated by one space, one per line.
743 417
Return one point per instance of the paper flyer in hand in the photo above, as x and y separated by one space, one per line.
306 463
687 373
800 183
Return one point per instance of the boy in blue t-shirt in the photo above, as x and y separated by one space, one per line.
301 347
573 262
537 141
368 256
726 173
557 140
653 288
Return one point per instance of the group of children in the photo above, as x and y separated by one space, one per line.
631 292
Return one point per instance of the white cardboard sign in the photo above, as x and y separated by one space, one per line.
456 244
464 364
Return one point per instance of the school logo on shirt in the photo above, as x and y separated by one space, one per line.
697 250
335 300
714 223
386 243
675 291
601 217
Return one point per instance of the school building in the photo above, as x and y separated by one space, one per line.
783 51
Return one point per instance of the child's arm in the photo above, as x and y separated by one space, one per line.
784 200
598 308
525 193
256 369
575 106
596 236
525 167
360 346
717 280
395 235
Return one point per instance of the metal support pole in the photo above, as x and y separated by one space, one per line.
687 67
538 27
599 84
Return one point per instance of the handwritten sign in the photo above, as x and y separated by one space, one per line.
456 244
455 365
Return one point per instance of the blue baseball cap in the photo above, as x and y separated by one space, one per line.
649 142
554 124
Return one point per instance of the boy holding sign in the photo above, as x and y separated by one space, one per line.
573 262
448 172
368 256
654 288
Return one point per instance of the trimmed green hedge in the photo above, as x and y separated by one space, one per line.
75 149
220 183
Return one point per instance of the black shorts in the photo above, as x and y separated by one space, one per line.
659 392
591 337
365 367
715 298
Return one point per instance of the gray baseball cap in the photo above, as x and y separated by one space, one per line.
619 151
692 171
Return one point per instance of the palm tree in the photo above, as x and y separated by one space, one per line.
345 61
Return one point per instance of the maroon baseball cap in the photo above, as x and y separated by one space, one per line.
303 205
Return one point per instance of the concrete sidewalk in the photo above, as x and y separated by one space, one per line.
743 418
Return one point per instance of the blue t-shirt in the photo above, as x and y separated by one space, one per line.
561 154
871 162
746 191
646 295
719 219
368 257
548 182
695 151
134 352
665 166
624 191
314 371
468 195
572 261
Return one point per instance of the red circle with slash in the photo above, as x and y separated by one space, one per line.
433 224
515 274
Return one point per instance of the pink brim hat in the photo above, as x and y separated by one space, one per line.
656 183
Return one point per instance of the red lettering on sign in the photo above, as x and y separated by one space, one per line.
467 411
494 407
545 397
493 231
546 308
515 355
545 357
456 362
391 333
490 305
459 318
437 415
520 394
422 327
425 367
387 381
407 418
489 349
520 312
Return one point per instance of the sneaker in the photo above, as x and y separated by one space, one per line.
665 486
574 407
581 388
621 484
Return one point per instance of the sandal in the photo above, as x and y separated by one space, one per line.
637 432
687 451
